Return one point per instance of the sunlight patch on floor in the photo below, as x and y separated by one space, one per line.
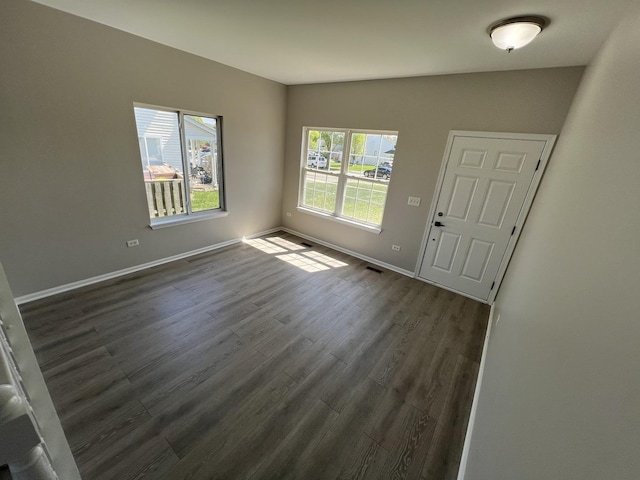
266 247
305 259
286 243
306 264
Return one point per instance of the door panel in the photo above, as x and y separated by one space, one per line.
483 190
477 259
460 200
472 158
446 251
496 203
510 162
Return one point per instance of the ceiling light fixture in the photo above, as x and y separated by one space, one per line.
516 32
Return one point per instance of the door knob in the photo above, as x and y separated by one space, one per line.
439 224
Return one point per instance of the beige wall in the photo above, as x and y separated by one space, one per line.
560 397
71 186
423 110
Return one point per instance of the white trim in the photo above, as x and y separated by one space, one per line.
524 212
388 266
502 135
118 273
345 221
434 201
526 206
172 221
474 405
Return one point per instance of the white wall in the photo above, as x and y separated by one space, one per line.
560 397
71 186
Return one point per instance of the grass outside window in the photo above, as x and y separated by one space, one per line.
363 201
205 200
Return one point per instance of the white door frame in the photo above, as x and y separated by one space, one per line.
535 182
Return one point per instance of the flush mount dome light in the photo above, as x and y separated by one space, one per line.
516 32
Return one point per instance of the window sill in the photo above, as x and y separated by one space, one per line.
344 221
182 219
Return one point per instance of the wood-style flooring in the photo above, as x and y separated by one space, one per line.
263 360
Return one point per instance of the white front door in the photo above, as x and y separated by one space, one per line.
484 188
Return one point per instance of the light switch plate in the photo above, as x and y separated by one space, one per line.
414 201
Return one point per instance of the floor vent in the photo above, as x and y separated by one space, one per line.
374 269
308 245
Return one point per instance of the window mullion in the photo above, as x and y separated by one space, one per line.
344 168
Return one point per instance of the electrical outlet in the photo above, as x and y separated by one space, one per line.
395 248
133 243
288 214
414 201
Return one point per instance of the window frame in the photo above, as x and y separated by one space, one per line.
343 176
189 216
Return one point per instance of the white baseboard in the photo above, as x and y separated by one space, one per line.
125 271
388 266
462 471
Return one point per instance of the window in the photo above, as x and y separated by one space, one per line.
351 185
151 150
181 162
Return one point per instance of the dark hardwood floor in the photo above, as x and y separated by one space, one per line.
268 359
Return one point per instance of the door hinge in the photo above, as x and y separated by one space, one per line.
492 285
514 230
538 165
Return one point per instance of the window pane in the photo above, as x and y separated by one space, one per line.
320 191
364 201
356 154
161 156
324 150
201 138
370 151
331 144
314 159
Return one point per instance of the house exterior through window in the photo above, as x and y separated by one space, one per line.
181 159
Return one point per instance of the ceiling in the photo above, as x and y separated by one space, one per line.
311 41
